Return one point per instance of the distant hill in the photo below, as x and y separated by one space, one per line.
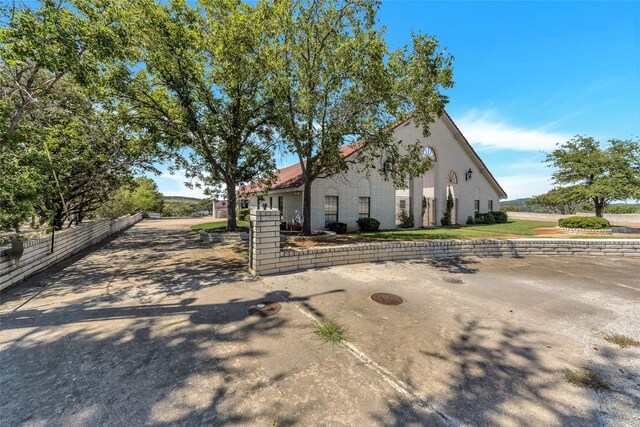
181 199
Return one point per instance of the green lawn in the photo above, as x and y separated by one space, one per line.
515 227
216 224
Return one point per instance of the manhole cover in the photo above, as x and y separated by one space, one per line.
452 279
265 309
386 299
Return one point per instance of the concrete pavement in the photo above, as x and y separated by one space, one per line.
152 328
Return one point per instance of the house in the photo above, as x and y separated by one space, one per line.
456 167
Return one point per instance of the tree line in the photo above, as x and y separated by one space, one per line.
94 92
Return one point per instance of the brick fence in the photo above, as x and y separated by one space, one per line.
37 253
266 257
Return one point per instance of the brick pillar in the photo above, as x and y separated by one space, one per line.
264 241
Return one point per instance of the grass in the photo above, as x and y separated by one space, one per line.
585 378
330 331
515 227
216 224
622 340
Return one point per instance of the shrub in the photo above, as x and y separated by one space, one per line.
470 220
406 220
589 222
243 214
622 209
485 218
338 227
368 224
445 220
500 217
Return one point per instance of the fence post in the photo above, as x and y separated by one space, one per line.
264 244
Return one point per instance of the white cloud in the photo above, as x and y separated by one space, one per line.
485 130
173 185
519 186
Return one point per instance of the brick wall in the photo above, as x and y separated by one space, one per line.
37 253
268 258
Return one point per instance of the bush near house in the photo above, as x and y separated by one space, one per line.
338 227
406 220
493 217
589 222
243 214
368 224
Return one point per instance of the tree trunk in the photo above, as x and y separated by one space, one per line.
599 209
306 209
232 223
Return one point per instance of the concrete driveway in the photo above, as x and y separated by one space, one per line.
153 328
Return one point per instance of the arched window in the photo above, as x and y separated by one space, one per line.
452 178
430 153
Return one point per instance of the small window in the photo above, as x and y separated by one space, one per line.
403 204
280 203
364 206
476 207
490 206
270 202
330 209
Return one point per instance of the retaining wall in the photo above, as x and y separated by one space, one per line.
614 219
37 253
267 258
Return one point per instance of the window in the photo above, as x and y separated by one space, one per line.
364 206
244 203
403 204
490 205
280 203
330 209
270 202
476 207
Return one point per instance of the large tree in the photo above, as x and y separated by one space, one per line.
599 174
561 200
339 83
201 87
142 195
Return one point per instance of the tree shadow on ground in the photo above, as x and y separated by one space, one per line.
141 263
158 364
453 265
498 376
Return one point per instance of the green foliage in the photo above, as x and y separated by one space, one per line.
368 224
338 227
598 174
143 196
588 222
205 84
330 331
470 220
406 220
494 217
217 225
622 209
243 214
510 208
339 82
561 200
500 217
446 218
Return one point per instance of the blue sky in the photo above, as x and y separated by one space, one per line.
528 75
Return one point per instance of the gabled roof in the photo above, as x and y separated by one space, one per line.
492 179
291 177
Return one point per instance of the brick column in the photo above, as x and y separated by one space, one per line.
264 241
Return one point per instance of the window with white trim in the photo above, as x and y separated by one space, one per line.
364 207
476 207
330 209
490 205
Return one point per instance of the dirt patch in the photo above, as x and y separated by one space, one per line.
549 230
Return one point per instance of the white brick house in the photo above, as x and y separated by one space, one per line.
355 194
